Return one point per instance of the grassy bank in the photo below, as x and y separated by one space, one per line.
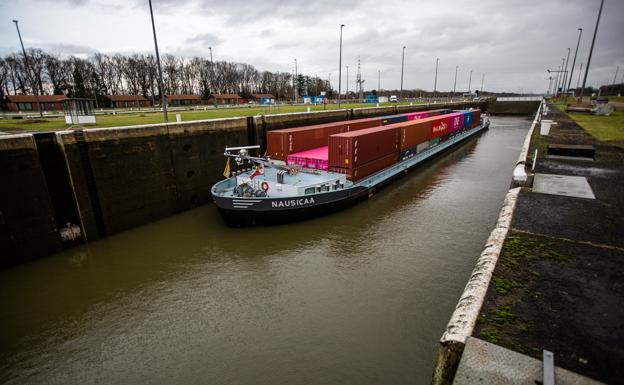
129 119
603 128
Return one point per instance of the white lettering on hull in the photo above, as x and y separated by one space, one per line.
292 202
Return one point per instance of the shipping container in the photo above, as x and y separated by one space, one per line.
392 119
439 126
355 174
455 121
414 132
468 119
315 158
281 143
352 149
476 118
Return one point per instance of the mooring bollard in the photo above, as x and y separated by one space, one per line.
178 118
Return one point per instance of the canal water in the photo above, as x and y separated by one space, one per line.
358 297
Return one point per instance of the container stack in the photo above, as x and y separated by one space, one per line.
359 148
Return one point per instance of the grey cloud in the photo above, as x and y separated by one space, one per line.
206 39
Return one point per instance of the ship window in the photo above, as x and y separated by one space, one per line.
318 188
310 190
325 187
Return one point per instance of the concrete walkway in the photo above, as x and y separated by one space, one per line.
559 281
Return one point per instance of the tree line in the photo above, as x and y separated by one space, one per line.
137 74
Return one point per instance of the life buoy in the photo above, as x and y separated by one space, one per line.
264 186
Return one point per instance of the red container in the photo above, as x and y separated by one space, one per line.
476 118
414 132
281 143
355 174
439 126
356 148
455 121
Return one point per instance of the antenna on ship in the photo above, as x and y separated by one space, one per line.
359 81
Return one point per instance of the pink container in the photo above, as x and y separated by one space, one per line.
315 158
455 121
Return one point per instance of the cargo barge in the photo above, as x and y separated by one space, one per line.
316 170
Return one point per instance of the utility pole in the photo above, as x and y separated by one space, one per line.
347 92
295 84
455 82
30 75
160 77
578 81
470 82
435 82
591 50
574 61
402 65
340 67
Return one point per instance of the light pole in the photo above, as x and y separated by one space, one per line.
340 67
160 77
32 80
591 50
378 80
402 64
578 81
482 78
455 82
616 74
210 48
562 74
470 82
565 73
295 83
347 92
574 61
435 82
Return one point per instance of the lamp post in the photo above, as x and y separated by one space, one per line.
402 65
340 67
565 73
591 50
482 78
347 92
455 82
378 80
30 76
435 82
470 82
578 81
574 61
616 74
160 77
210 48
295 84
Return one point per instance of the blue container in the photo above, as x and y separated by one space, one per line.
385 120
468 119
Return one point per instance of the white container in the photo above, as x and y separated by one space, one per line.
545 126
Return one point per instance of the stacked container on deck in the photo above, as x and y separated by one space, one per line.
362 147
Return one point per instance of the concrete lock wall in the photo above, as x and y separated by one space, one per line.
27 227
513 107
109 180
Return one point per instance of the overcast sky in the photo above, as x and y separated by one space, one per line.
512 41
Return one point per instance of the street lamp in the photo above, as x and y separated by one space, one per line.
347 92
482 78
402 65
455 82
160 77
340 67
565 73
295 83
210 48
32 80
435 82
574 60
591 50
378 80
470 81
